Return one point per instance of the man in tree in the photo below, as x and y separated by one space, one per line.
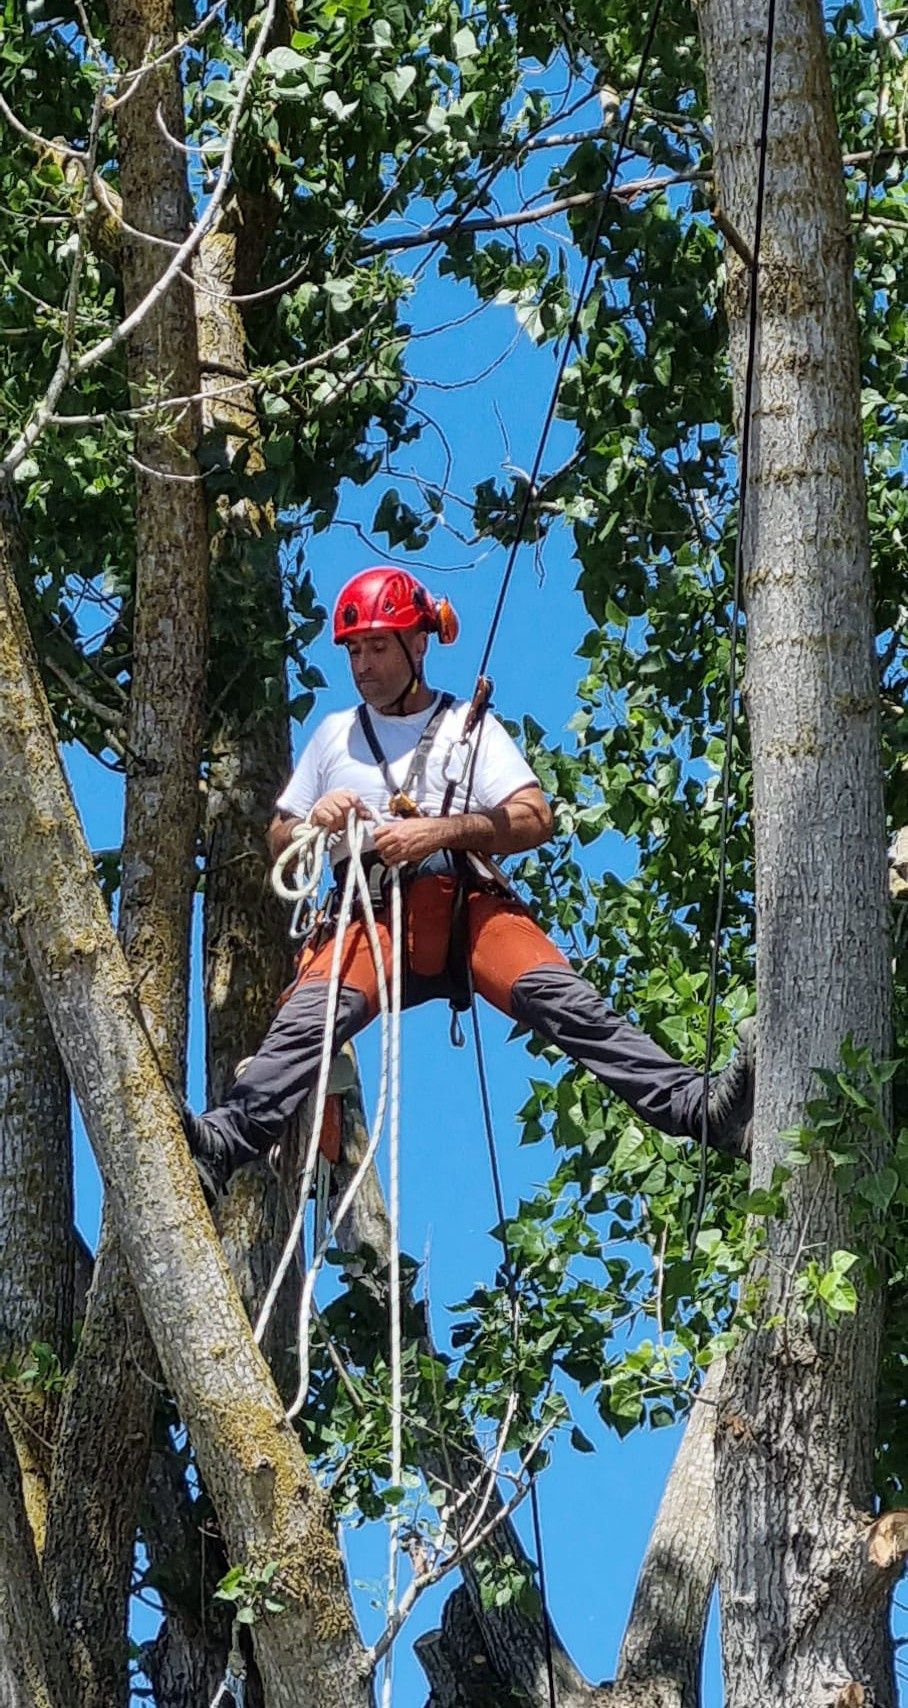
438 799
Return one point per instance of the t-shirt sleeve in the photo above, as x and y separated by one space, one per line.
500 768
305 786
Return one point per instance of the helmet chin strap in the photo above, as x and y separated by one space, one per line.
396 708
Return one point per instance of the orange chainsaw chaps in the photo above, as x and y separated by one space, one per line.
505 943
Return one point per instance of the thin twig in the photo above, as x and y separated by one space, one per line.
133 78
426 1580
528 216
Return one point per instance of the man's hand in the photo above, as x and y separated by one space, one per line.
330 811
405 840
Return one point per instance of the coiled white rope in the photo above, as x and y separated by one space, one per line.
306 853
306 891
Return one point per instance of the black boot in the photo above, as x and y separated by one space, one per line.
209 1152
730 1103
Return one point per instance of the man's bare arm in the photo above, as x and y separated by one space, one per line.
280 833
523 821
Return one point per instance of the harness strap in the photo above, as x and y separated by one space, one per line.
400 802
476 711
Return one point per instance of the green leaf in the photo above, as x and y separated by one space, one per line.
580 1442
283 61
464 44
400 80
878 1189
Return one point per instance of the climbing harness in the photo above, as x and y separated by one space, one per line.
469 870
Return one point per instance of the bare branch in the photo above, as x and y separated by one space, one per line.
527 216
457 1556
62 150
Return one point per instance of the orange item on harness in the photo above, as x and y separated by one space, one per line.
329 1139
504 943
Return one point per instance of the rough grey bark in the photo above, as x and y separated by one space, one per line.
34 1672
100 1459
804 1610
268 1503
246 955
661 1653
165 725
36 1210
246 958
92 1534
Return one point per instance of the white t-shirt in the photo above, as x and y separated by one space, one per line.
338 757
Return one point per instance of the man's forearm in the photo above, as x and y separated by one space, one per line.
280 833
496 830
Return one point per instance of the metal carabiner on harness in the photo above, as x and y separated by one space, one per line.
458 766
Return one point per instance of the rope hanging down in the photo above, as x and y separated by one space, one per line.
569 343
307 852
481 696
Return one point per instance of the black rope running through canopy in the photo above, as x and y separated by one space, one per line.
725 791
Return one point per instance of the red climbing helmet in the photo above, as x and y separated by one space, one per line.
391 599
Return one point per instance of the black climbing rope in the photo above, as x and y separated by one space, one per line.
570 340
732 690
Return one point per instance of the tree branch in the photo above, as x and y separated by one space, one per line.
526 216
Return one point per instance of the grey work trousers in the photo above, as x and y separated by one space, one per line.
553 1000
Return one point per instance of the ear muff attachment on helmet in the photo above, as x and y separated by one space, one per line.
447 624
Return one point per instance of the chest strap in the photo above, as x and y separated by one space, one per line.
401 804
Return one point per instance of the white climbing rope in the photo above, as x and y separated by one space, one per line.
307 852
386 1075
305 892
394 1275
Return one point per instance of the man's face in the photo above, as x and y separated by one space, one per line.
379 665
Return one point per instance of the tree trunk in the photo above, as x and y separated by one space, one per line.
34 1672
246 954
268 1503
90 1562
246 950
94 1494
804 1611
169 631
660 1660
36 1212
